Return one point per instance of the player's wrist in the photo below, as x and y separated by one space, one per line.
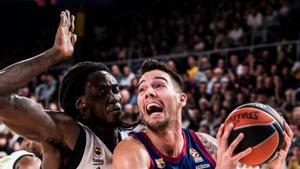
56 54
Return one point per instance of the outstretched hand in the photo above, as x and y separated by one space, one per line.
226 159
65 38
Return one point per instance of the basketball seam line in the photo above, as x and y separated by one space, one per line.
263 143
251 125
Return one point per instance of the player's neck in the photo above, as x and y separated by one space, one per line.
170 142
109 136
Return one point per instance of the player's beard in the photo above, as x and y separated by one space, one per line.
158 126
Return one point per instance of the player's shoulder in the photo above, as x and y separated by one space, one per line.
204 137
130 153
67 128
62 120
132 146
130 143
209 142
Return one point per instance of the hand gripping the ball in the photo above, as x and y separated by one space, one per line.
226 159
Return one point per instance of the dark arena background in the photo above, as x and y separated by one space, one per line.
228 52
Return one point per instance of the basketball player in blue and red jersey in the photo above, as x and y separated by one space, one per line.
164 144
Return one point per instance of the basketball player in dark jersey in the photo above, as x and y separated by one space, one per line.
164 144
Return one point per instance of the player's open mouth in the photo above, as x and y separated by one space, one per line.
153 108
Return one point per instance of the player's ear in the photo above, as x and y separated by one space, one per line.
182 99
80 103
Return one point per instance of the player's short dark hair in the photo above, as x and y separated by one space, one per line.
151 64
73 85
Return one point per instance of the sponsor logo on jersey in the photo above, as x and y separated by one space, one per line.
98 151
196 156
194 153
202 166
198 159
97 161
160 163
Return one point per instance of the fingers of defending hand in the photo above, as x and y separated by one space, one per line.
234 144
68 18
62 18
72 26
242 154
73 39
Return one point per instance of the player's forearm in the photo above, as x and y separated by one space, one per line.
19 74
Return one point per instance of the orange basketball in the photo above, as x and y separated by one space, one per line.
263 131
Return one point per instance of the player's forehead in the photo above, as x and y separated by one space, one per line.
154 75
102 78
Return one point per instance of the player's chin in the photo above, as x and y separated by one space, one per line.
114 122
114 119
158 125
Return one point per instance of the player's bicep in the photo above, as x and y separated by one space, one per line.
26 117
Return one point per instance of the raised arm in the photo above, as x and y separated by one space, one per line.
21 114
19 74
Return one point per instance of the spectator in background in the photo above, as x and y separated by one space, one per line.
221 40
45 90
115 70
125 96
294 159
180 46
284 9
193 68
134 92
218 77
236 35
255 23
199 43
234 64
172 65
209 120
128 76
254 19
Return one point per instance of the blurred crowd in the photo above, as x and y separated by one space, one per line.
215 84
195 25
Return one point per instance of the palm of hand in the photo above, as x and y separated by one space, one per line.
65 39
64 42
